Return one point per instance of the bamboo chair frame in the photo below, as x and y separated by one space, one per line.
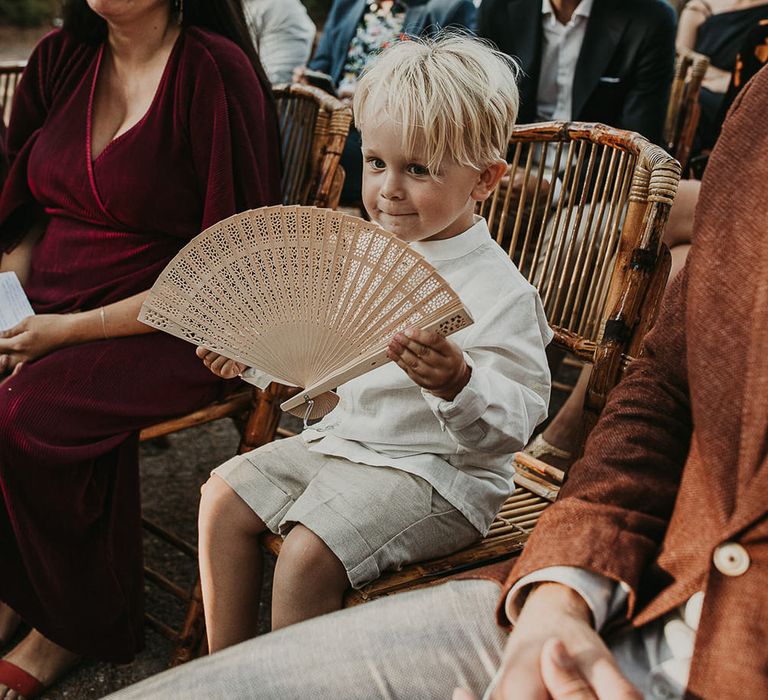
313 129
601 274
683 108
10 74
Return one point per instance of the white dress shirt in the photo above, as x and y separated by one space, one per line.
560 48
463 448
282 33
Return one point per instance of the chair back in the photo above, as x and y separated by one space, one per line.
683 109
313 128
581 214
10 73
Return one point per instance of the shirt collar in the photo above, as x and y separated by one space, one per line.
456 247
583 9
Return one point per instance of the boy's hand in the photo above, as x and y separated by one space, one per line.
218 364
432 361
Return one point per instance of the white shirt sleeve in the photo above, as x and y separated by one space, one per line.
283 34
604 597
508 391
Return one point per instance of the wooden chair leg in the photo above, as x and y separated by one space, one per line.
191 642
264 417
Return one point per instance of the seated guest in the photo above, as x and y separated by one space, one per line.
717 29
356 30
649 571
133 128
283 34
594 60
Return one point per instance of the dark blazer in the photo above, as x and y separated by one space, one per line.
420 16
624 70
675 473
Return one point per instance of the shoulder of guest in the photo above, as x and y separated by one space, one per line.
652 11
206 47
56 55
58 42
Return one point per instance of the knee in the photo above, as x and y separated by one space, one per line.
304 554
222 509
16 416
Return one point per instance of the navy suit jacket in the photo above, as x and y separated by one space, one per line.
422 16
623 73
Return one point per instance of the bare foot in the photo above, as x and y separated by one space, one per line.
9 623
41 658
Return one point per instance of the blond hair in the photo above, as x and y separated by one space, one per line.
455 96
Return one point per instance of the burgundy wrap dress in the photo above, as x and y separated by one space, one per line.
70 541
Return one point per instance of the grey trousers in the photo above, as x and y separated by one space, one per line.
413 646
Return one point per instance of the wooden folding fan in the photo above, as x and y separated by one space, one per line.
309 297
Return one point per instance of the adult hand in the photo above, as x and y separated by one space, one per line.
430 360
218 364
298 75
34 337
553 652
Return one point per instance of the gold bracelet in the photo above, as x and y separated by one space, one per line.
103 322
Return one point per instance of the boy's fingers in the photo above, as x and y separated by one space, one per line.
420 359
420 336
421 343
414 373
439 344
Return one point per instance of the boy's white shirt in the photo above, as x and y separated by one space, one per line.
463 448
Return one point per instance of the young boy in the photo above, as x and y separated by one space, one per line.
415 461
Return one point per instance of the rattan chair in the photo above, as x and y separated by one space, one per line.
592 246
10 73
683 109
590 241
313 128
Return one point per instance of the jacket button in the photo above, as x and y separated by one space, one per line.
731 559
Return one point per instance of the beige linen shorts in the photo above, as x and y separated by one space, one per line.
372 518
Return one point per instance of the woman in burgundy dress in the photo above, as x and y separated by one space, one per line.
132 130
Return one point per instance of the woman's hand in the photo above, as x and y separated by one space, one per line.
553 652
34 337
218 364
298 75
432 361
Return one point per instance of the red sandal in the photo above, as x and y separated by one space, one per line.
19 680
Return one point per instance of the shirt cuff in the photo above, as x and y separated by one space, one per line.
604 597
467 406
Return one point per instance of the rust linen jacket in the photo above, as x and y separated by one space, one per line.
678 463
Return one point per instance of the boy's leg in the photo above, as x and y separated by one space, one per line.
411 645
305 558
245 496
230 565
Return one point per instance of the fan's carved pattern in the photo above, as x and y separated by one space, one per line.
299 293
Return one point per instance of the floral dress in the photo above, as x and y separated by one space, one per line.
378 29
